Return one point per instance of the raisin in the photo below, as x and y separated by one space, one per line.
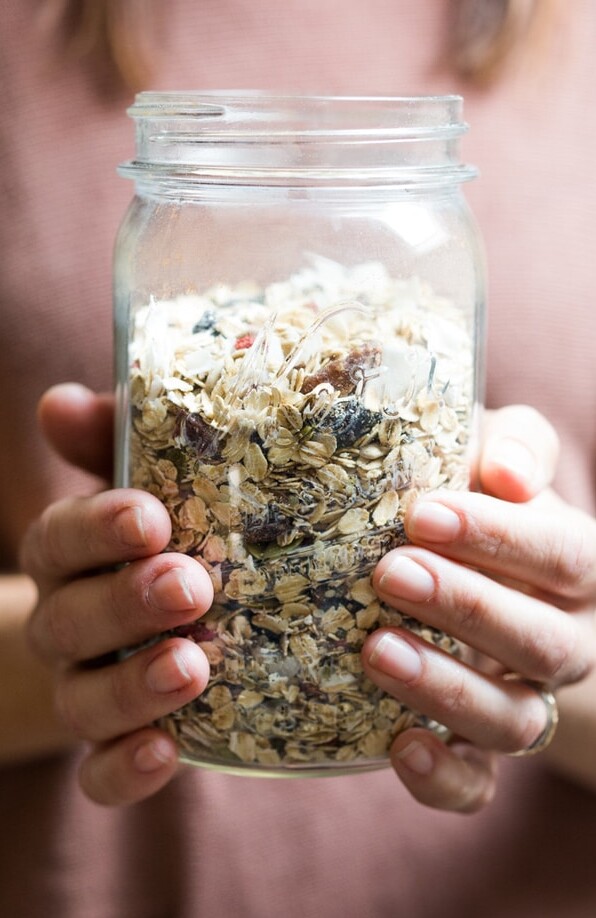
179 458
206 322
197 631
344 373
349 420
266 527
203 438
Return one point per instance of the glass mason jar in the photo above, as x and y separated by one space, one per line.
299 295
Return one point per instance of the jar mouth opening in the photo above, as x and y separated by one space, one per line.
259 137
234 113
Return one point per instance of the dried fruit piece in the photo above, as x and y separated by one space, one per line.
266 527
204 439
345 373
206 322
348 420
244 342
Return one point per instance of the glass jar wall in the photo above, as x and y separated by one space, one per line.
299 299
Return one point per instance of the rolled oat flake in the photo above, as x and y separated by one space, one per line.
299 298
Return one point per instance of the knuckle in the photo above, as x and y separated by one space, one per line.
118 600
57 632
40 544
521 730
123 697
547 655
576 658
49 549
471 612
454 700
52 554
559 656
101 783
27 552
33 634
584 665
479 796
67 707
495 545
570 563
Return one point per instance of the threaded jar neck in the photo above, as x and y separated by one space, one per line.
258 138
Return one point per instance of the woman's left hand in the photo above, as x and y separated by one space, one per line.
511 573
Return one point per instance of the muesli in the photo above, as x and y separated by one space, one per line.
286 428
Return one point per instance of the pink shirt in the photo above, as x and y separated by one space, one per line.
338 848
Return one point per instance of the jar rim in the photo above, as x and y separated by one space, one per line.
257 136
231 111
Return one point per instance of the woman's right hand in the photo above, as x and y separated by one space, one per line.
104 585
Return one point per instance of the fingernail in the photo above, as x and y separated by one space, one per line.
130 527
416 757
433 522
514 456
171 592
73 390
406 579
167 673
395 657
153 755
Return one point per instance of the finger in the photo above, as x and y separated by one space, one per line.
80 534
92 616
129 769
490 713
79 425
459 777
553 552
99 704
525 634
518 453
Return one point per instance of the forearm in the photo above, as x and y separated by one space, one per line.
29 726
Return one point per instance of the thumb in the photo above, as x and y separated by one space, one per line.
518 453
78 423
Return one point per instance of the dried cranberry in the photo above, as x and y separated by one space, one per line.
244 342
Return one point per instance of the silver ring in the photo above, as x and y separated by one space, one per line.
544 739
